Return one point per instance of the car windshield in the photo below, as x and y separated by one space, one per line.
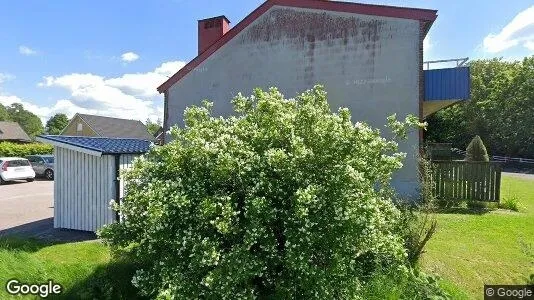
48 159
19 163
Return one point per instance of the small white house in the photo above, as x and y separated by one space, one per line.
87 178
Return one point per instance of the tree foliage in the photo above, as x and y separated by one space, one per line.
500 111
31 123
285 200
153 127
56 124
4 115
476 151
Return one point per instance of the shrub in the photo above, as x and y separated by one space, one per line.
476 151
286 200
511 203
416 285
22 150
476 205
108 281
418 220
418 225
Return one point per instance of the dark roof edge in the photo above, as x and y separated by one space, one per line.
99 137
51 138
122 153
88 150
214 18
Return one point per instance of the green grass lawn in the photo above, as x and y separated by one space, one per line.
467 251
470 250
83 269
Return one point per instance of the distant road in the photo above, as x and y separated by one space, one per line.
520 175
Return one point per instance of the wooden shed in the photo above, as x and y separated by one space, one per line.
87 178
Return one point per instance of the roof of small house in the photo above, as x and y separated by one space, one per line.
11 131
425 16
98 145
115 127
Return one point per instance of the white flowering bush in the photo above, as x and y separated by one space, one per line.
284 200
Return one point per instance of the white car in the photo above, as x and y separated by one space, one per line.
15 168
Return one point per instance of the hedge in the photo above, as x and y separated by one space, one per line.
8 149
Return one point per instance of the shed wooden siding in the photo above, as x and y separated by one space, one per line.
83 188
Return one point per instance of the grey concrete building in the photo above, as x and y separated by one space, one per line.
368 57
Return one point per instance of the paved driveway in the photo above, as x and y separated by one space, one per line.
27 210
25 202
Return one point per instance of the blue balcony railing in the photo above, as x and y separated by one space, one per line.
447 84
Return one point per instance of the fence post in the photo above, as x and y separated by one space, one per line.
498 184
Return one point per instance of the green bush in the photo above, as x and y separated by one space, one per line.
511 203
476 151
475 205
285 200
22 150
418 221
416 285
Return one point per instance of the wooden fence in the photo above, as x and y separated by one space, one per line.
463 180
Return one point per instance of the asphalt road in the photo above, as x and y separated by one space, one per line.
520 175
24 202
27 210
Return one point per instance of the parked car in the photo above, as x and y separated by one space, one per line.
43 165
15 168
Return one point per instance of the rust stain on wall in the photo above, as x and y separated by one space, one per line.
302 30
293 24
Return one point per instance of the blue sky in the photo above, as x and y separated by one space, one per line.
108 57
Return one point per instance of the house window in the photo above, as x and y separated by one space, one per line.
80 127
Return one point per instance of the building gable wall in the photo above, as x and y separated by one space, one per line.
369 64
71 129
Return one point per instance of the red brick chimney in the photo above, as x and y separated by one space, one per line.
210 30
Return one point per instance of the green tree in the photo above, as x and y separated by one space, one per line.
56 124
4 114
31 123
476 151
284 200
500 110
153 127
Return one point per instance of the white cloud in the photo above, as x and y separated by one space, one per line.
25 50
129 57
520 31
427 44
5 77
143 84
92 92
43 112
130 96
